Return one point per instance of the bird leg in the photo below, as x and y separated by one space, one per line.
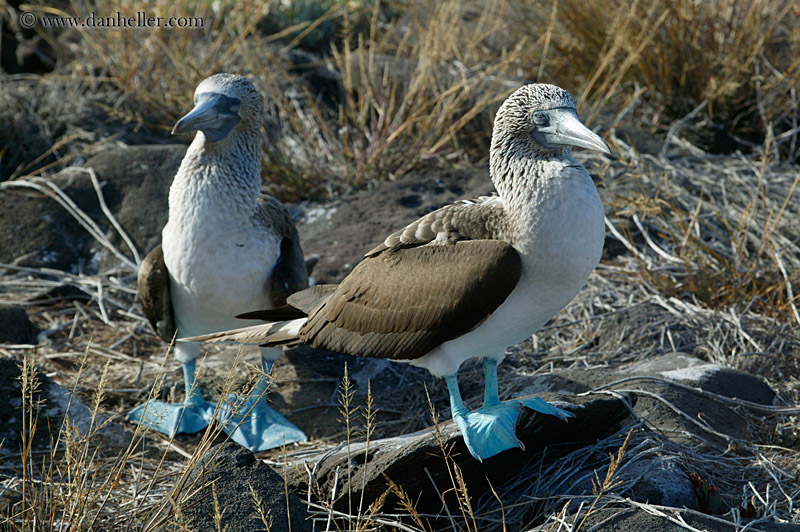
191 392
492 398
192 415
491 429
250 421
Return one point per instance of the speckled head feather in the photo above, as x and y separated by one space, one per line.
239 87
536 127
515 116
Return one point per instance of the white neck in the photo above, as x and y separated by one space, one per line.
225 173
527 181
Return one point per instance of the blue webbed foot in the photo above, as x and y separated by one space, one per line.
491 429
251 423
538 404
192 415
173 418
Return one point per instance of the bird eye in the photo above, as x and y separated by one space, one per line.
541 119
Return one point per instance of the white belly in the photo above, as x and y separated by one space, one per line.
218 268
565 245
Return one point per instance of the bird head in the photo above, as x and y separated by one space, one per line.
221 102
545 118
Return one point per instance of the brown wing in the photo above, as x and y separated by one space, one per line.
402 303
290 273
153 286
472 219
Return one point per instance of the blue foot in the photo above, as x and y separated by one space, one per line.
537 404
251 423
491 429
173 418
192 415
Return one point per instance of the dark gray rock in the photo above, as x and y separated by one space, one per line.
655 473
709 377
15 327
415 461
640 139
237 479
671 397
660 480
24 136
638 520
135 182
666 403
393 377
137 188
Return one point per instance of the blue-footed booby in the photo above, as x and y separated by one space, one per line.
472 278
226 248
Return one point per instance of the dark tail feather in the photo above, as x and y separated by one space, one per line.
283 313
299 305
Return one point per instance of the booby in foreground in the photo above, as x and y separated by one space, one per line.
226 248
472 278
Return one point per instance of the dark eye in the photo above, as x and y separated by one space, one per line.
541 119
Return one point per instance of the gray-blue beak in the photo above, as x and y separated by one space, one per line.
213 114
563 128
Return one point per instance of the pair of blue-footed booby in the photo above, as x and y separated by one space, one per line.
472 278
226 248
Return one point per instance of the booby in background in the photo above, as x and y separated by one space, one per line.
472 278
226 248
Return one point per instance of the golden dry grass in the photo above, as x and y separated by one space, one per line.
420 80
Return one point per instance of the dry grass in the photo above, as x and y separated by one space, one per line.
725 236
738 57
414 86
422 94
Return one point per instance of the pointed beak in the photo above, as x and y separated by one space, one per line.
214 114
566 129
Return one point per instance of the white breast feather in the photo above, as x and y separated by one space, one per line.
219 263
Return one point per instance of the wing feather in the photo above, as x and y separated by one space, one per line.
290 273
402 303
474 219
153 287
